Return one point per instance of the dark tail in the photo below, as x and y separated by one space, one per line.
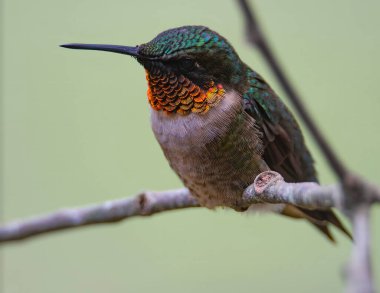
321 219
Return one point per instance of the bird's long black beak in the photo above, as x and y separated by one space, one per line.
132 51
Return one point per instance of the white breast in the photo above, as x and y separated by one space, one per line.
177 131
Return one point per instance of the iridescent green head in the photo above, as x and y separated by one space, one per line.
184 40
196 51
189 53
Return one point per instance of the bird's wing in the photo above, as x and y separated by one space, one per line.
283 144
284 149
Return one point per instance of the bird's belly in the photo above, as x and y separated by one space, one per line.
216 155
218 178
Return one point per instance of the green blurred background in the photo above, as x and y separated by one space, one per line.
75 130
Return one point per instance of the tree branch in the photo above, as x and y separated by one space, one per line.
143 204
358 270
268 187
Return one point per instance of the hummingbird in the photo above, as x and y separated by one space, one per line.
218 122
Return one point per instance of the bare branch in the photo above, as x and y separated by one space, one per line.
144 204
270 187
358 270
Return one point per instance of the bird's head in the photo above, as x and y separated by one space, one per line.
188 69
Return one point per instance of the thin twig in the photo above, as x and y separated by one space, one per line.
268 187
143 204
359 271
258 39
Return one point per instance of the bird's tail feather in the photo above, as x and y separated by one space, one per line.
321 219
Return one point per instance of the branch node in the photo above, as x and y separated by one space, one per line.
264 179
142 201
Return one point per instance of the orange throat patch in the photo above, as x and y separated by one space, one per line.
177 94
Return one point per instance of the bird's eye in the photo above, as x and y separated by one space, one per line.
187 64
